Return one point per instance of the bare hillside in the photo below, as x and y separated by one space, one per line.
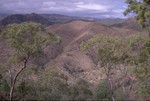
67 56
129 23
72 61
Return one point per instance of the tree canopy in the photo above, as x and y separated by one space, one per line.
142 10
26 40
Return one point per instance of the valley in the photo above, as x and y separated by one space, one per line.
68 58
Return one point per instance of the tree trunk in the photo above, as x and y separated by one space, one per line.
124 93
15 78
107 71
111 89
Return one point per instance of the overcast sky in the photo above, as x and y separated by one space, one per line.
86 8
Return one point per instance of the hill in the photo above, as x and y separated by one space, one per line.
110 21
67 56
129 23
72 61
19 18
45 19
48 19
2 16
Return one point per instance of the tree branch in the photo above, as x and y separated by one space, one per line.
15 77
107 71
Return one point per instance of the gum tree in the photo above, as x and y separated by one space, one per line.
26 40
142 10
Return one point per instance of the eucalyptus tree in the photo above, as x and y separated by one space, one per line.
142 10
26 40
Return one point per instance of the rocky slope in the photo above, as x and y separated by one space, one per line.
72 61
67 56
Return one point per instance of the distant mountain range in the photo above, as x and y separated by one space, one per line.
49 19
129 23
19 18
2 16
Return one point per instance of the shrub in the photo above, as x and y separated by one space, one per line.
102 91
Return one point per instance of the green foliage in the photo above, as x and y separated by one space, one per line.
80 91
92 42
102 91
114 48
4 87
27 39
142 10
51 85
21 88
24 37
119 94
53 38
143 68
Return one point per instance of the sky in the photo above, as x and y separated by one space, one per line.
83 8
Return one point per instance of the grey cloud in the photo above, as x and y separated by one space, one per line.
94 8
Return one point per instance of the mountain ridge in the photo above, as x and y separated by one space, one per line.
49 19
129 23
19 18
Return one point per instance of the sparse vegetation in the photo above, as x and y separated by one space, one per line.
113 51
142 11
26 40
102 91
92 61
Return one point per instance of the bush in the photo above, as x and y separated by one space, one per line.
80 91
102 91
49 86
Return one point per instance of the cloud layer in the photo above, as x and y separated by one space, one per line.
84 8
